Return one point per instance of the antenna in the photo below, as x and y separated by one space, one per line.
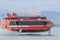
34 7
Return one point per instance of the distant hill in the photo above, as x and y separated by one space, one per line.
52 15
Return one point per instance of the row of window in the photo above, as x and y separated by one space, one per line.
27 18
29 23
31 17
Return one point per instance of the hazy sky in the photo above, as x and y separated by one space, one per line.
29 6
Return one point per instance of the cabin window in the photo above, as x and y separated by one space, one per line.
49 23
31 17
12 23
29 23
43 17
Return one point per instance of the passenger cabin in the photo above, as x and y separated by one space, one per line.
27 23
